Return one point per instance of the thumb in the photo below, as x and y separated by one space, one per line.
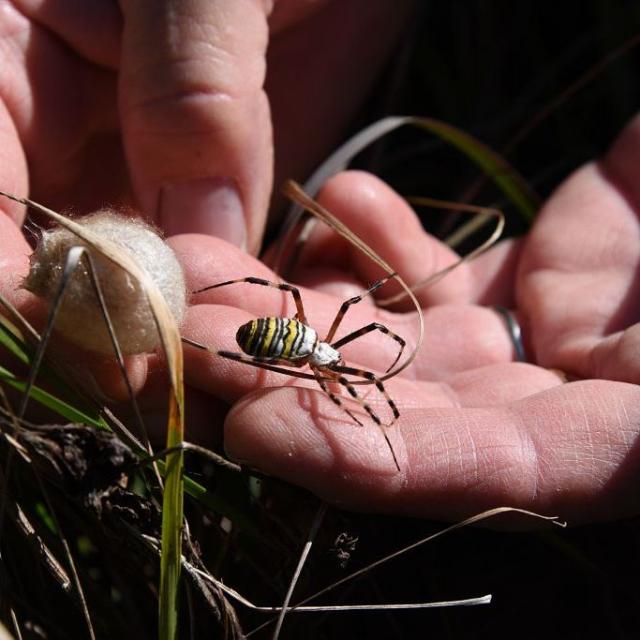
196 121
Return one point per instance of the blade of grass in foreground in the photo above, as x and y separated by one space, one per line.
227 500
172 514
66 410
73 408
172 510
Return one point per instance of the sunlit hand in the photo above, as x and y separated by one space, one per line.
477 429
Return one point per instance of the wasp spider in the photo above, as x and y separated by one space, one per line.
274 343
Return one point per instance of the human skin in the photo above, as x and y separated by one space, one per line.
162 105
477 429
167 107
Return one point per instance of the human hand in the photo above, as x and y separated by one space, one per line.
477 429
160 106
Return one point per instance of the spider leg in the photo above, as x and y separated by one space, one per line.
340 379
336 399
374 326
297 298
271 364
368 375
351 301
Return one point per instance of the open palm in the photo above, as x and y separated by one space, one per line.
476 429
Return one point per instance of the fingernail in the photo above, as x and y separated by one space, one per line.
207 205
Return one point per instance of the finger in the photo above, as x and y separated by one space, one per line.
90 28
204 416
14 261
100 375
568 451
577 282
195 117
215 327
464 370
63 106
494 274
384 220
13 180
14 250
616 356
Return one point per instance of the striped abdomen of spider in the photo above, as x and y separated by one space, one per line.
286 339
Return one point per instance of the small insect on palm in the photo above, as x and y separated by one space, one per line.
275 343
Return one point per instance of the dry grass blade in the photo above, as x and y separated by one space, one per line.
396 606
459 525
293 191
493 166
20 321
483 214
202 451
172 347
52 565
20 519
199 575
315 525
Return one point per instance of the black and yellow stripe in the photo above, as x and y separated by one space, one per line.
278 338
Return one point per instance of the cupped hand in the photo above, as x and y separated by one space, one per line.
557 435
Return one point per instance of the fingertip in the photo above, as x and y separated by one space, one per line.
98 374
110 381
198 132
621 159
384 220
13 170
210 206
207 260
617 356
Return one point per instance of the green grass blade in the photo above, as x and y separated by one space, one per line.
11 340
172 517
508 180
52 402
74 409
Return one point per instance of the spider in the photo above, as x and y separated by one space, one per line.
274 343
